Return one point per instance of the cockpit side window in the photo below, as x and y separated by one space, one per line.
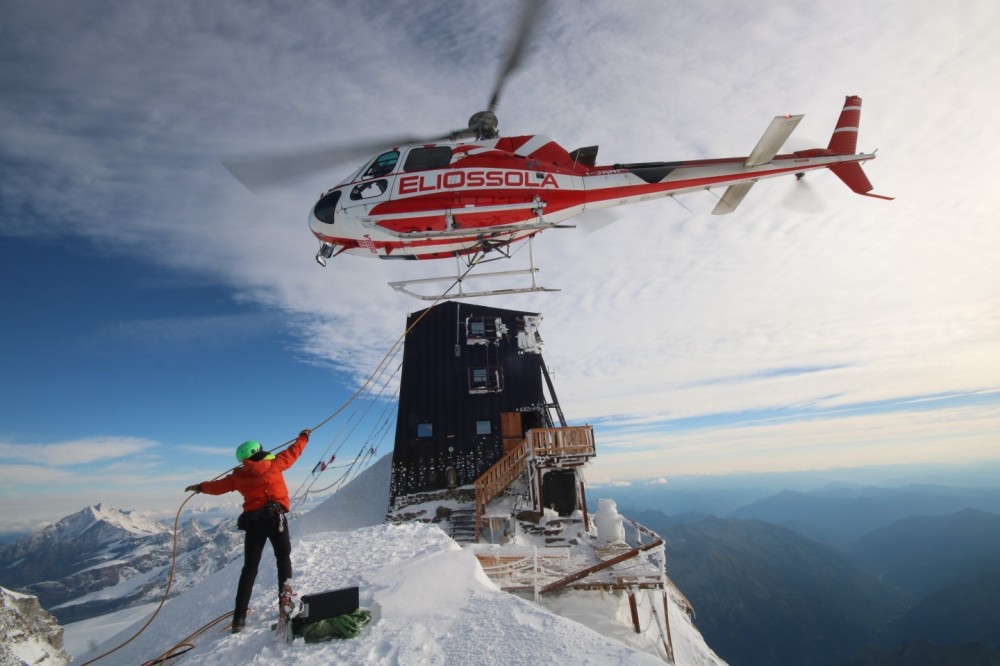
369 190
383 164
422 159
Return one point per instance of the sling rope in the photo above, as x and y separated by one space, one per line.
351 425
378 434
382 421
378 369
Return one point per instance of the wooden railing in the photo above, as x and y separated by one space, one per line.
538 443
574 441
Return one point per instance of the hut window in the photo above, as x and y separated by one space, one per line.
485 380
484 330
425 430
484 427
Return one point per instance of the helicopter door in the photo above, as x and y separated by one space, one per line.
374 184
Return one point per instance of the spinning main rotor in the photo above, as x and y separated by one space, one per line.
259 171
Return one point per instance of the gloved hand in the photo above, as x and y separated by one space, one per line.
305 433
196 488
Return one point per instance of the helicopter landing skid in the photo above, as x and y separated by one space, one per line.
458 280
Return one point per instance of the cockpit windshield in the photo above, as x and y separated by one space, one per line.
383 164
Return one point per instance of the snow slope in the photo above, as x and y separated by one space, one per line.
431 603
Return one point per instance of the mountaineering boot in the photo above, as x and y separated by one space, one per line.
238 624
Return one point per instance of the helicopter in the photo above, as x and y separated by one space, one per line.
471 193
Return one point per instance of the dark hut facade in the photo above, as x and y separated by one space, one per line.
472 377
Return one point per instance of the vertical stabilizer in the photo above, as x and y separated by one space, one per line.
845 136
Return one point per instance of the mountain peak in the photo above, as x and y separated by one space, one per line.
129 521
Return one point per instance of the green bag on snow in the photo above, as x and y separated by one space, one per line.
342 626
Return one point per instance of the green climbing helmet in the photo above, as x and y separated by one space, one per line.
247 449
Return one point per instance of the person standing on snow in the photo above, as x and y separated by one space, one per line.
265 502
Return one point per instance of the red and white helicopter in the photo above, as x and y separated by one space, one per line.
472 192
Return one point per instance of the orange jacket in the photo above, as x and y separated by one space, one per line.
260 481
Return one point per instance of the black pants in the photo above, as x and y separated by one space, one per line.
257 534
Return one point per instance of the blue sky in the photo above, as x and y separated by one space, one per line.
156 313
107 344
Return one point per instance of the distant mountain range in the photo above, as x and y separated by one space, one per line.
101 559
925 554
844 513
782 581
763 594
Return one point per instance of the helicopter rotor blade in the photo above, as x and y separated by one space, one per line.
265 170
526 27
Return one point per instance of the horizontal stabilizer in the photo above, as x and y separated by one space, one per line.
772 141
732 197
854 177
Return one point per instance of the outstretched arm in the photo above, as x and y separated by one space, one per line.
218 487
286 458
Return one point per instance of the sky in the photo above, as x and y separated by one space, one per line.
156 313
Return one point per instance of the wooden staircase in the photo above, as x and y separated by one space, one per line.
548 445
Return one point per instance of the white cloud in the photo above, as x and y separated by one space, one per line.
201 450
32 475
78 451
948 435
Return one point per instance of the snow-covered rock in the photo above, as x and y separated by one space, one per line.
28 634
